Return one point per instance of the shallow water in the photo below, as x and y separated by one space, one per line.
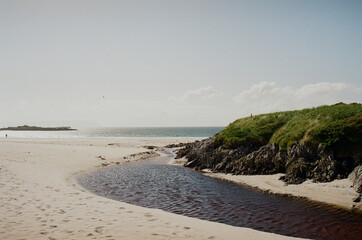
180 190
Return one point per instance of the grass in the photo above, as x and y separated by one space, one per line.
337 126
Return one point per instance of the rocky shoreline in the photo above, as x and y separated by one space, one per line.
298 162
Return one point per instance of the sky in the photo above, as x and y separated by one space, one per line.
88 63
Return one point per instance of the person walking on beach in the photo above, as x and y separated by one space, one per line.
6 135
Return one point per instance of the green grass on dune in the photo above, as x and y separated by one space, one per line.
337 126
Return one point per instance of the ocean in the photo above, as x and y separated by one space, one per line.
118 132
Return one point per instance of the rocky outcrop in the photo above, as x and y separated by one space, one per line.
356 178
298 162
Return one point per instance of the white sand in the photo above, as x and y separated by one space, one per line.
338 192
39 199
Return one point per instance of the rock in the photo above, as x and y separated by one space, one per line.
222 165
279 161
261 161
298 162
357 199
325 169
297 171
150 147
297 150
190 164
356 177
173 145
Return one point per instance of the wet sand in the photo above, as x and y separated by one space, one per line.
40 200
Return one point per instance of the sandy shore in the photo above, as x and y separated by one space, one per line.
40 200
338 192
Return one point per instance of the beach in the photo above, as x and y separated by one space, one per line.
336 193
39 198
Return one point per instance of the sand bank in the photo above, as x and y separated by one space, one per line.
40 200
338 192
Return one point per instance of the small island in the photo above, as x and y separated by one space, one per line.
35 128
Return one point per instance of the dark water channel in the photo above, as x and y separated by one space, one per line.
155 184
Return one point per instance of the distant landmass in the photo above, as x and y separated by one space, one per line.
322 144
35 128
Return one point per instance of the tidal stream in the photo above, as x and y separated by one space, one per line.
157 184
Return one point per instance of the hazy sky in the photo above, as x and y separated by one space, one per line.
174 63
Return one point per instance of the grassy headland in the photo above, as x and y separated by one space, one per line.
322 143
338 127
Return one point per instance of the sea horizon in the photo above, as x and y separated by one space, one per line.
115 132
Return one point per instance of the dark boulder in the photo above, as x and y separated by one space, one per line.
296 171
